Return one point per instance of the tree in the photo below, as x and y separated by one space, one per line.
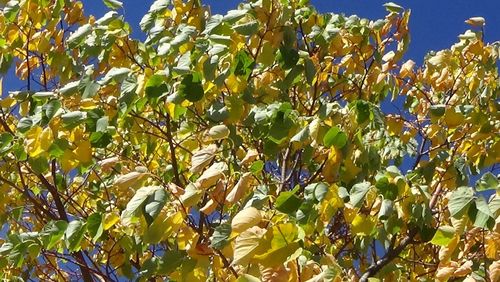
273 143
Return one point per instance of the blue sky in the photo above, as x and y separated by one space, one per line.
434 24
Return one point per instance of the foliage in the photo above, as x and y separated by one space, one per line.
258 145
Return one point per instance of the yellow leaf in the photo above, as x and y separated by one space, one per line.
83 152
110 220
245 219
363 224
68 161
32 142
246 244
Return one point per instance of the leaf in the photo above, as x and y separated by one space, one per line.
95 226
443 235
191 87
218 132
156 87
481 214
464 269
77 37
459 201
113 4
246 244
240 189
487 182
386 209
74 235
247 278
476 21
494 271
72 119
135 205
129 180
363 225
245 219
24 124
220 238
335 137
192 195
171 260
211 175
392 7
154 204
52 233
287 202
358 193
202 158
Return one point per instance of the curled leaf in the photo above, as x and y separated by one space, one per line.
240 188
211 175
202 158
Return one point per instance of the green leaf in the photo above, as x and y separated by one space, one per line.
156 87
257 167
437 110
287 202
487 182
24 124
154 204
113 4
363 111
316 191
73 119
134 206
74 235
443 235
289 57
358 193
220 238
386 209
5 139
77 37
191 87
480 213
244 64
170 261
95 226
459 201
387 189
335 137
52 233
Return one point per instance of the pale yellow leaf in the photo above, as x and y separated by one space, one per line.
211 175
246 244
475 21
202 158
218 132
464 269
250 156
245 219
129 180
240 189
494 271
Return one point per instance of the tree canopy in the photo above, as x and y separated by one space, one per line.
272 143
